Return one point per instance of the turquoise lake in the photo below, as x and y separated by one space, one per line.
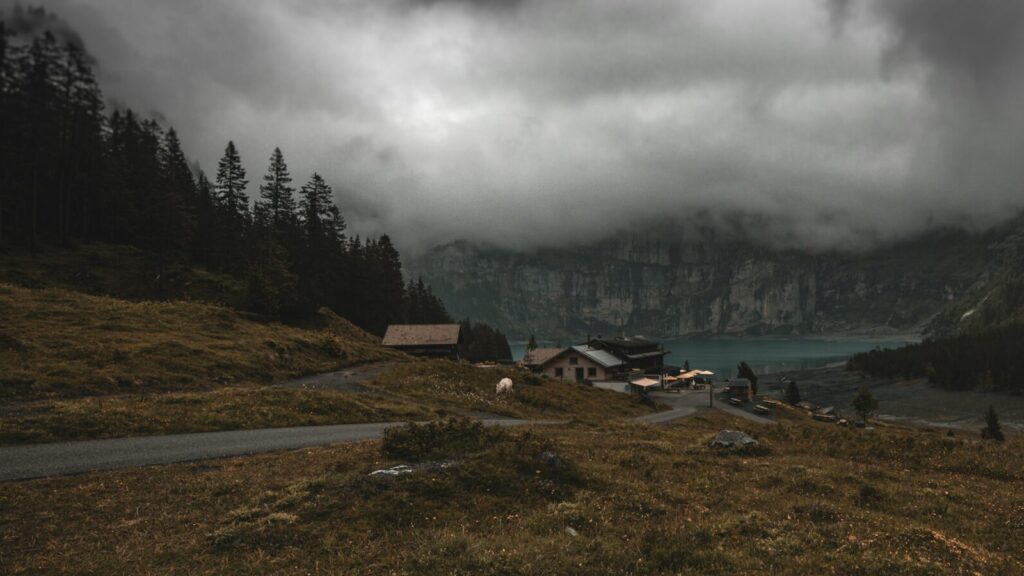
765 356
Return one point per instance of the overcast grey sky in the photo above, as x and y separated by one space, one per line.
837 123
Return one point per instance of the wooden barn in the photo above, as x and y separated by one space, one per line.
431 340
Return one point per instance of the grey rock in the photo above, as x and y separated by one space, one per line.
732 439
552 460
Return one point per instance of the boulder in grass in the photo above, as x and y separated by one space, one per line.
732 439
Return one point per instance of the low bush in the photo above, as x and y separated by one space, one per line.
449 438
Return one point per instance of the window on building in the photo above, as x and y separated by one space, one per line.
591 372
573 360
558 372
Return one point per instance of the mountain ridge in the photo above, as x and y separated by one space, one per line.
657 283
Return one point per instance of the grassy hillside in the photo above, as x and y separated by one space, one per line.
58 343
814 499
471 389
76 366
116 270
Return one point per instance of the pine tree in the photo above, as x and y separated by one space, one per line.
233 209
386 285
865 404
231 185
270 283
745 371
276 192
207 221
792 393
40 94
9 83
992 429
532 344
318 212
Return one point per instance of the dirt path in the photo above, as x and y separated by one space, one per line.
346 380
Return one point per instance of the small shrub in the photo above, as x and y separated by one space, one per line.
869 495
992 429
817 513
442 439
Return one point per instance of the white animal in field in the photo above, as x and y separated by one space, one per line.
504 387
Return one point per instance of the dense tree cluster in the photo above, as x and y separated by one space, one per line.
990 360
70 171
481 342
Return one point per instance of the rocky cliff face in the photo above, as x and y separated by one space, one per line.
653 284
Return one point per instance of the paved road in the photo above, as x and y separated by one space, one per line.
689 402
64 458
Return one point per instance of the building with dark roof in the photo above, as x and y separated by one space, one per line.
434 340
636 353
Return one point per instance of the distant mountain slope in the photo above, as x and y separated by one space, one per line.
997 297
651 283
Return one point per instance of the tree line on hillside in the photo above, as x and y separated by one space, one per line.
69 171
482 342
990 360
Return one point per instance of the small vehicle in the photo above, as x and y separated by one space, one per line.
735 401
762 409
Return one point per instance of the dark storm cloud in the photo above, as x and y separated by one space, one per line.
980 40
822 123
27 22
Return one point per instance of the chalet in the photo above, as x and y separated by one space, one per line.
534 360
635 353
580 363
433 340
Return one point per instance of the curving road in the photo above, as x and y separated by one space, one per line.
65 458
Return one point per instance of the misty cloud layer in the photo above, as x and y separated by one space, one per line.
830 123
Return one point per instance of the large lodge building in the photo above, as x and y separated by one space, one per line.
599 359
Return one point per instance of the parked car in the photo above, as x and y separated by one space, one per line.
762 409
735 401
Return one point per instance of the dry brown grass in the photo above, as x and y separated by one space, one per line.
57 343
116 270
74 366
643 500
472 389
229 408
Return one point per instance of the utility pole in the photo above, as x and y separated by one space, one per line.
711 394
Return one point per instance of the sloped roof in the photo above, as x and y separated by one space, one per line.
630 343
422 335
644 355
605 359
539 356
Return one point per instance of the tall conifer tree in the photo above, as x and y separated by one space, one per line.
276 192
231 184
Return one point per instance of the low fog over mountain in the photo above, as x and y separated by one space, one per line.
824 124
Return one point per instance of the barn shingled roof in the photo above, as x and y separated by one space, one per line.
422 335
539 356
